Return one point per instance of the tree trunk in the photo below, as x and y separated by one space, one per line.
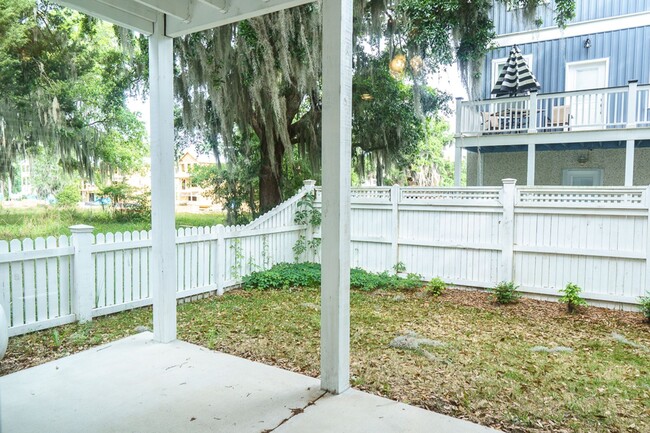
270 174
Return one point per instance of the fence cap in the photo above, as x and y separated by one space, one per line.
509 181
81 228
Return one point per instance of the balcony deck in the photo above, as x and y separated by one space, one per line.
596 115
141 386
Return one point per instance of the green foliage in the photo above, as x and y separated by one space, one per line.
303 245
306 213
399 267
287 275
283 276
505 292
233 185
128 203
238 257
572 297
436 287
52 221
69 197
63 83
644 305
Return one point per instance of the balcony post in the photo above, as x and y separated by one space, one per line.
459 116
530 172
631 103
458 160
532 113
629 163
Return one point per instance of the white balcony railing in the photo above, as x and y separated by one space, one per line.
594 109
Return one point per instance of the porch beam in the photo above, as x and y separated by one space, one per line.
163 278
206 16
336 157
629 163
133 8
221 5
111 14
530 172
182 10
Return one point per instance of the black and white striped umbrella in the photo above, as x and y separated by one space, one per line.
516 76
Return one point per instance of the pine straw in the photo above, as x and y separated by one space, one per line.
485 373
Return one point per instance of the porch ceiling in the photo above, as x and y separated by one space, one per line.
554 138
558 146
182 16
136 384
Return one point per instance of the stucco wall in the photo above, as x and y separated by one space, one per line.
549 166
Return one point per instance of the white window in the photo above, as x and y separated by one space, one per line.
497 66
582 177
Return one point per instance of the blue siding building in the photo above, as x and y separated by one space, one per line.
589 124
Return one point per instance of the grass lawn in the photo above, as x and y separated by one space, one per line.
44 221
484 371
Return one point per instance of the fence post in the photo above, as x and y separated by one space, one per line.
507 228
647 244
83 271
220 260
394 201
631 103
309 230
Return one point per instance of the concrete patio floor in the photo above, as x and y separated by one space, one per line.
137 385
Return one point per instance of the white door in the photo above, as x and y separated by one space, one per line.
587 109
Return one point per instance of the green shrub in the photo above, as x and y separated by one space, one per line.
399 267
68 197
436 287
645 305
285 275
505 292
572 297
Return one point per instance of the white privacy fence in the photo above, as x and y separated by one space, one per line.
539 237
54 281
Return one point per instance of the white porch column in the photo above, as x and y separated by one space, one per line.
629 163
163 278
337 138
458 161
530 172
479 167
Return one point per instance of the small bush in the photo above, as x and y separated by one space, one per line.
505 292
572 297
436 287
399 267
645 305
285 275
68 197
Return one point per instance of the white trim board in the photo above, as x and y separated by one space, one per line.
640 19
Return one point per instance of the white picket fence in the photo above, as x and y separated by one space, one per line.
54 281
539 237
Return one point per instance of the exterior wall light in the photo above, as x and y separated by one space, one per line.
587 43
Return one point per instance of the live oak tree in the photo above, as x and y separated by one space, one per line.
64 79
261 78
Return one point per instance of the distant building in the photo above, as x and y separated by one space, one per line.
189 196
